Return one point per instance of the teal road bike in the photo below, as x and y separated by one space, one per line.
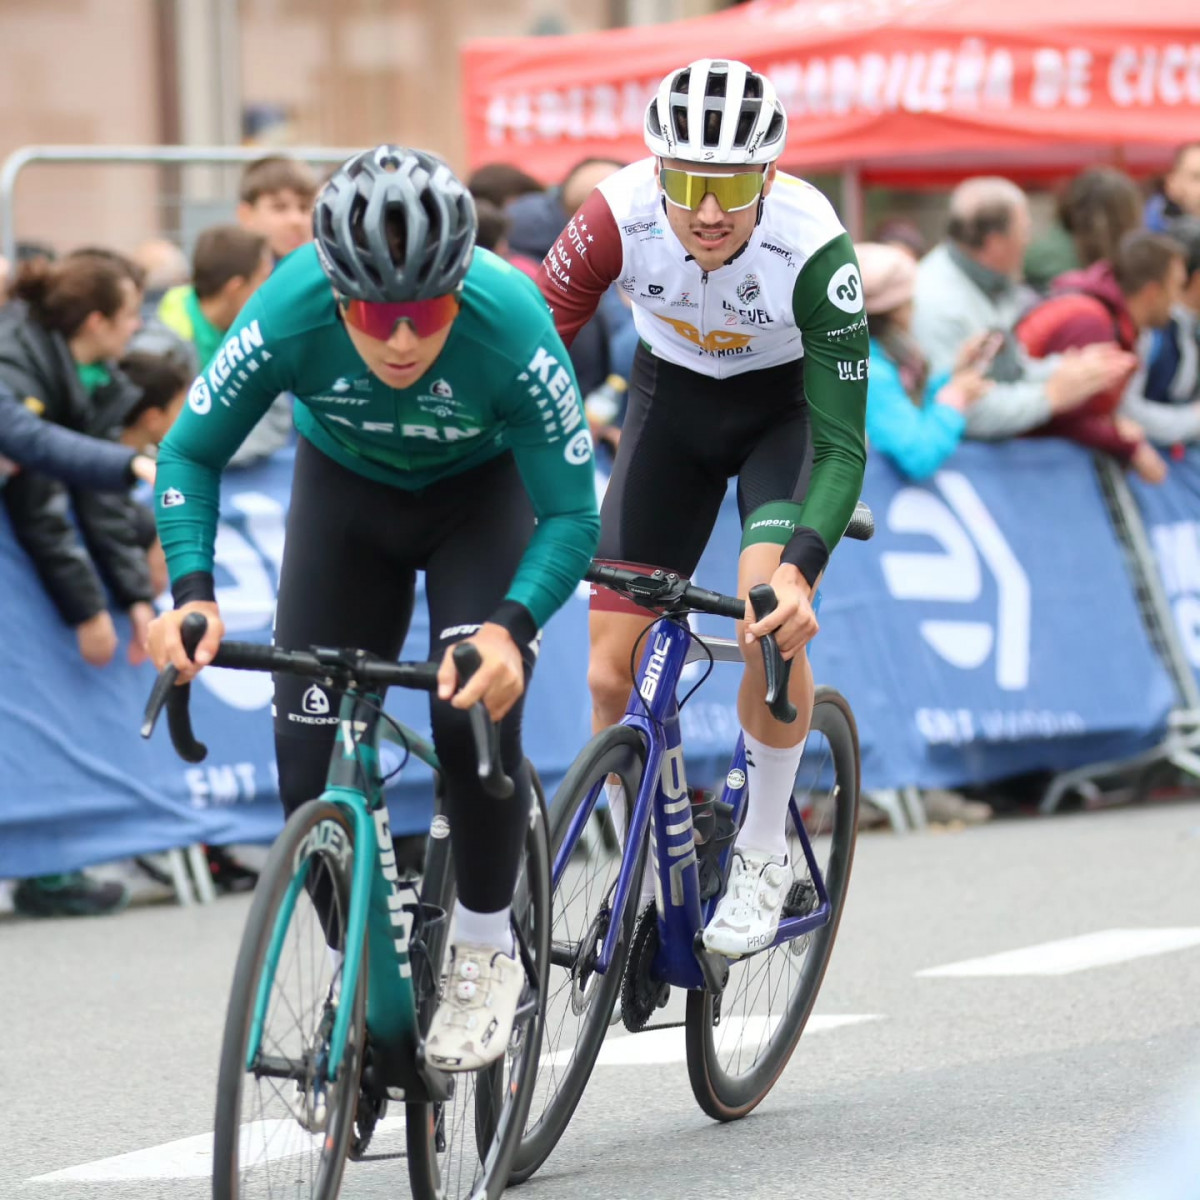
341 963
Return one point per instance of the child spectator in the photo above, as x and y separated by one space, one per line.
163 382
498 183
1180 195
1164 396
913 418
228 265
1109 302
276 201
493 228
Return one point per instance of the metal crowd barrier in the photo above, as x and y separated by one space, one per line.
152 156
1182 741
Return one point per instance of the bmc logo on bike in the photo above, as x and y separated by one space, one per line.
654 668
965 532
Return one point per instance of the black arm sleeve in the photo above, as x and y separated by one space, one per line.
73 458
110 529
39 510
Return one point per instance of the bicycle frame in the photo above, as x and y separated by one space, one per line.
381 909
664 804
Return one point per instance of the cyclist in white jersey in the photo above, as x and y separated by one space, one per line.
753 363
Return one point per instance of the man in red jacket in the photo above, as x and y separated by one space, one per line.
1109 302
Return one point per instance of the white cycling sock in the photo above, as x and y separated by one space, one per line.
770 777
620 815
483 929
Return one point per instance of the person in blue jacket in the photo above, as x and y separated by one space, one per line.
914 419
79 461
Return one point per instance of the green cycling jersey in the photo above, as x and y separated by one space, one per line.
503 382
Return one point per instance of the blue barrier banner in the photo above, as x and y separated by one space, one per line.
78 785
988 629
1171 512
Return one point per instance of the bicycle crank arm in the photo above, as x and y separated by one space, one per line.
714 967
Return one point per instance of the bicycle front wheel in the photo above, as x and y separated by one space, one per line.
739 1042
282 1124
462 1148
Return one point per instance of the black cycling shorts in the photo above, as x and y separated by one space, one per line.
348 578
685 436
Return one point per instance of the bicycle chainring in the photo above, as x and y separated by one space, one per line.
640 994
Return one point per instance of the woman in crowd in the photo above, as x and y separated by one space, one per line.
915 420
1096 210
57 351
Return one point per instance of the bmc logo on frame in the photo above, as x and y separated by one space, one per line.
969 540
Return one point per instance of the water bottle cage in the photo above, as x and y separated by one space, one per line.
715 830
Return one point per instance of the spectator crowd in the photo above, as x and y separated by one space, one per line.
1088 332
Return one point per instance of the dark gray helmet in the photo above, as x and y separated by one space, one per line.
350 223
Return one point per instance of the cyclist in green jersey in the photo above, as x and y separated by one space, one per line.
440 430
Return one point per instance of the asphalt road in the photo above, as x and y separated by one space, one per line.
1010 1085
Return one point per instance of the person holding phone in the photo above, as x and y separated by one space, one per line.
914 417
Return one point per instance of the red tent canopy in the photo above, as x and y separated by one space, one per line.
904 90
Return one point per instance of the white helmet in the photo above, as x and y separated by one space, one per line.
716 111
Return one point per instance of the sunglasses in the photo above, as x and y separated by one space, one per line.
687 189
379 321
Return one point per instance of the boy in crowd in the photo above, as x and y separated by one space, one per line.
1164 396
229 263
276 201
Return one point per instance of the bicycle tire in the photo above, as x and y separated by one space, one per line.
274 881
498 1109
728 1097
620 751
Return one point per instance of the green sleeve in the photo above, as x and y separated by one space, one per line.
224 404
553 449
828 307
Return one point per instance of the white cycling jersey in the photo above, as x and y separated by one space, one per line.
742 316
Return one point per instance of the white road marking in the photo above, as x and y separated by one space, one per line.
270 1141
1101 949
192 1157
658 1046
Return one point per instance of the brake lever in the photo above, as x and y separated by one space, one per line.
483 729
778 671
176 698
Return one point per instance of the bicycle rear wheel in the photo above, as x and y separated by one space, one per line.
579 1000
283 1127
462 1148
739 1042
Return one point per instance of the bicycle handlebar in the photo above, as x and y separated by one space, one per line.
336 667
668 593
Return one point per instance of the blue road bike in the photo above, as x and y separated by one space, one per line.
744 1017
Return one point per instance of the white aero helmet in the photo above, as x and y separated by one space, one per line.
716 110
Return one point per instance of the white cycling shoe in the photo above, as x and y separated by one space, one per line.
747 916
474 1021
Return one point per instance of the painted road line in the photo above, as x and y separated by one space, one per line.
659 1046
1102 949
192 1157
